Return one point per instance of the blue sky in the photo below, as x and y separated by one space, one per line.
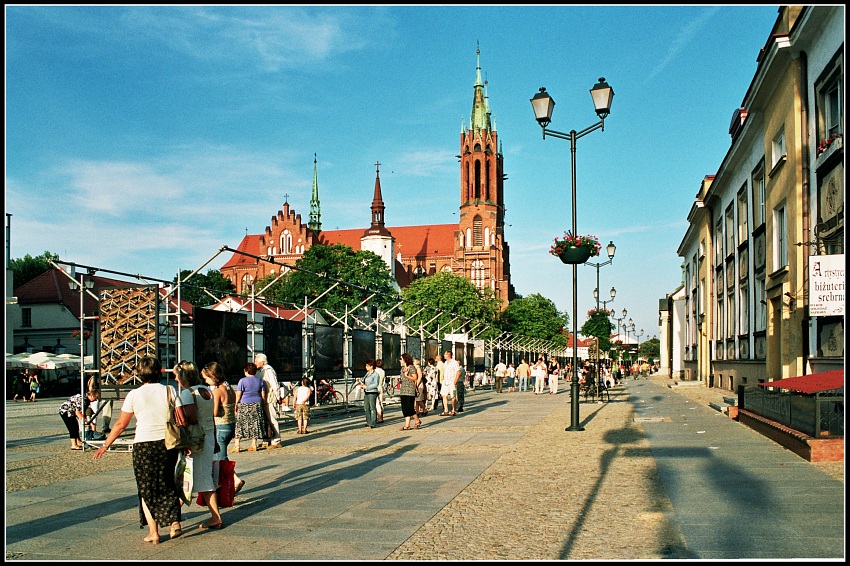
143 139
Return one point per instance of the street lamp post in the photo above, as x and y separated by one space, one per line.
620 349
611 249
543 106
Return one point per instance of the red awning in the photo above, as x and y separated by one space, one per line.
812 383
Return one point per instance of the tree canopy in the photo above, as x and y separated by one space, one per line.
458 299
323 265
537 317
193 289
599 326
27 268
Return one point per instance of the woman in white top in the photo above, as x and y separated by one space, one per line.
153 465
194 393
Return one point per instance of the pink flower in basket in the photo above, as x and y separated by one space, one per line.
570 241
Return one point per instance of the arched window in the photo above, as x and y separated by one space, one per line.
477 238
487 237
286 242
469 239
446 269
477 186
247 281
419 272
477 273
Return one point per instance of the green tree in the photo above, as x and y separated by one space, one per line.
650 350
537 317
27 268
198 287
599 326
363 273
458 299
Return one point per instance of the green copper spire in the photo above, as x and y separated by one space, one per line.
315 223
479 119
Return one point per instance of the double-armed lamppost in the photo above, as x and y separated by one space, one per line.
543 106
620 349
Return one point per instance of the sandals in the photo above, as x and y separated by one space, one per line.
152 540
239 486
445 414
205 525
418 425
176 532
405 428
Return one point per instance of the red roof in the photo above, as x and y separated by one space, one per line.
812 383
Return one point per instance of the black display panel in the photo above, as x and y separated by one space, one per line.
413 346
362 349
460 353
327 352
391 352
432 348
221 337
283 346
446 347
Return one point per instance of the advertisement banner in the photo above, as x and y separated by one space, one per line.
826 278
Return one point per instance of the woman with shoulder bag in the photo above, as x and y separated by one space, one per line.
197 398
153 464
407 391
224 410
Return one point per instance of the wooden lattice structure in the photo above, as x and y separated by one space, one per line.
128 331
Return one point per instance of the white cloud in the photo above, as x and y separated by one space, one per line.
685 36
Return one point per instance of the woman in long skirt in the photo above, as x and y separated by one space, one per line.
250 417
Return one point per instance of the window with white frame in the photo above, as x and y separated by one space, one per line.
731 318
829 108
743 229
743 308
730 229
718 242
760 303
758 196
286 242
780 238
778 148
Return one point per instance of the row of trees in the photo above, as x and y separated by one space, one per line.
442 301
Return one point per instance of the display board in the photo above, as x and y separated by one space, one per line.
128 330
391 352
327 352
413 346
221 337
432 348
283 345
362 350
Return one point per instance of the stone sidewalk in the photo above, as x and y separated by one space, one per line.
501 481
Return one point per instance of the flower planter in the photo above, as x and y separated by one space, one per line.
579 254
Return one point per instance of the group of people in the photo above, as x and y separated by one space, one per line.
224 413
27 386
420 389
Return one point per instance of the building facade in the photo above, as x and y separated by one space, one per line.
475 247
773 209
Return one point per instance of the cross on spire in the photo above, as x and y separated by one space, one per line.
377 167
286 198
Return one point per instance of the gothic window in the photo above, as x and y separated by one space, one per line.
477 237
487 237
247 281
469 239
477 274
446 269
286 242
477 187
419 272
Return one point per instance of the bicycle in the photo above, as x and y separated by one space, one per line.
390 386
327 395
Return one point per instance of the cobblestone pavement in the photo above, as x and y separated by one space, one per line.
542 492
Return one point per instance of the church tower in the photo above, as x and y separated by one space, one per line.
480 248
315 223
377 239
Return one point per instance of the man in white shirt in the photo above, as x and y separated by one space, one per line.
269 376
501 372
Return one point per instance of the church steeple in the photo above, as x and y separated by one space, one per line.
315 223
378 227
479 119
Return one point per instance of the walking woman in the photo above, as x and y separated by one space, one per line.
409 381
370 385
194 393
153 465
224 410
73 411
250 400
35 386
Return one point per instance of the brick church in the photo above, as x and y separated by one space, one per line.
475 247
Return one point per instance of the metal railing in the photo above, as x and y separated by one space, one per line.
820 415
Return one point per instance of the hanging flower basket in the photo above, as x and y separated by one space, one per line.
575 249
